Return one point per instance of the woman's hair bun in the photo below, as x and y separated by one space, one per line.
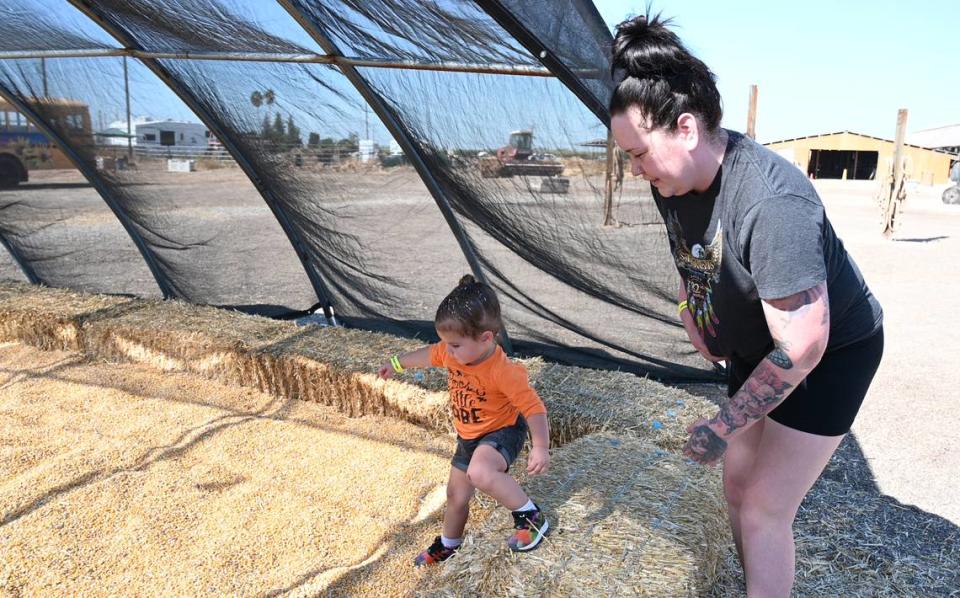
646 49
466 279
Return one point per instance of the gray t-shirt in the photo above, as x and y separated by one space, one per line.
760 232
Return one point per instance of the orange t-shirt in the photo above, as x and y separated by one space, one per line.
487 396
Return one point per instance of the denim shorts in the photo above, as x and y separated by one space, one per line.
508 441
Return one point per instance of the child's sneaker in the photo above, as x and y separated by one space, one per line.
435 554
531 526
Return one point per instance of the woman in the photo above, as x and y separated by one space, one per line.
766 286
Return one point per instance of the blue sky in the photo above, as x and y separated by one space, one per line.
823 66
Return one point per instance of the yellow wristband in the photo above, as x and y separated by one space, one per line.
683 306
395 362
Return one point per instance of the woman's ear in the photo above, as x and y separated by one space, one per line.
486 336
688 130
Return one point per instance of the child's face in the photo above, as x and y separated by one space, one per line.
466 349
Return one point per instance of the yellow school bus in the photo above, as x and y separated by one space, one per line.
24 147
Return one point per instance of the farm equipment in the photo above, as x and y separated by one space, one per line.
951 195
518 159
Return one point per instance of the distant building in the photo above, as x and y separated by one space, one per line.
942 138
854 156
116 132
113 136
170 133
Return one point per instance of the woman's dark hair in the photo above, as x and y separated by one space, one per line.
470 309
660 76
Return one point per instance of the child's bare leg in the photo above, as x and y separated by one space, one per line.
459 493
487 472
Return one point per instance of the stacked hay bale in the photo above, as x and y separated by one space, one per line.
582 401
331 366
627 518
50 318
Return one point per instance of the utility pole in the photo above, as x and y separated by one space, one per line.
752 114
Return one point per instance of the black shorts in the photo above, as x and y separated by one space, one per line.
508 441
828 399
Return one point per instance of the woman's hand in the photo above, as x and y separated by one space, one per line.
539 460
705 445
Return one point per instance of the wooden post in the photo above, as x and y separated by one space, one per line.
752 114
895 190
898 143
614 177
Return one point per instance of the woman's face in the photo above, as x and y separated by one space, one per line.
661 157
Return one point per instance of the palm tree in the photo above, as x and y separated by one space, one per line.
256 98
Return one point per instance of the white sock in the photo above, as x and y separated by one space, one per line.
450 542
527 507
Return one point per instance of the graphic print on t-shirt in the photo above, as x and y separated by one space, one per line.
700 268
466 396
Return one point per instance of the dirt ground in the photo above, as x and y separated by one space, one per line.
902 438
119 479
904 429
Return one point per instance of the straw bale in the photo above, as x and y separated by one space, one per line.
333 366
582 401
627 518
122 480
49 318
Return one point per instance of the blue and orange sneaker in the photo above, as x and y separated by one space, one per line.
435 554
531 526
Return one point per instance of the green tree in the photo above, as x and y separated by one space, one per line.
266 130
313 140
293 133
278 130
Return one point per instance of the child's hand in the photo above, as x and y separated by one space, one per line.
386 371
539 460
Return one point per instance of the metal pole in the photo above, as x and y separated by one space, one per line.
43 70
126 91
441 66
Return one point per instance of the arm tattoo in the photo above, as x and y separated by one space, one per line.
780 359
759 394
705 445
